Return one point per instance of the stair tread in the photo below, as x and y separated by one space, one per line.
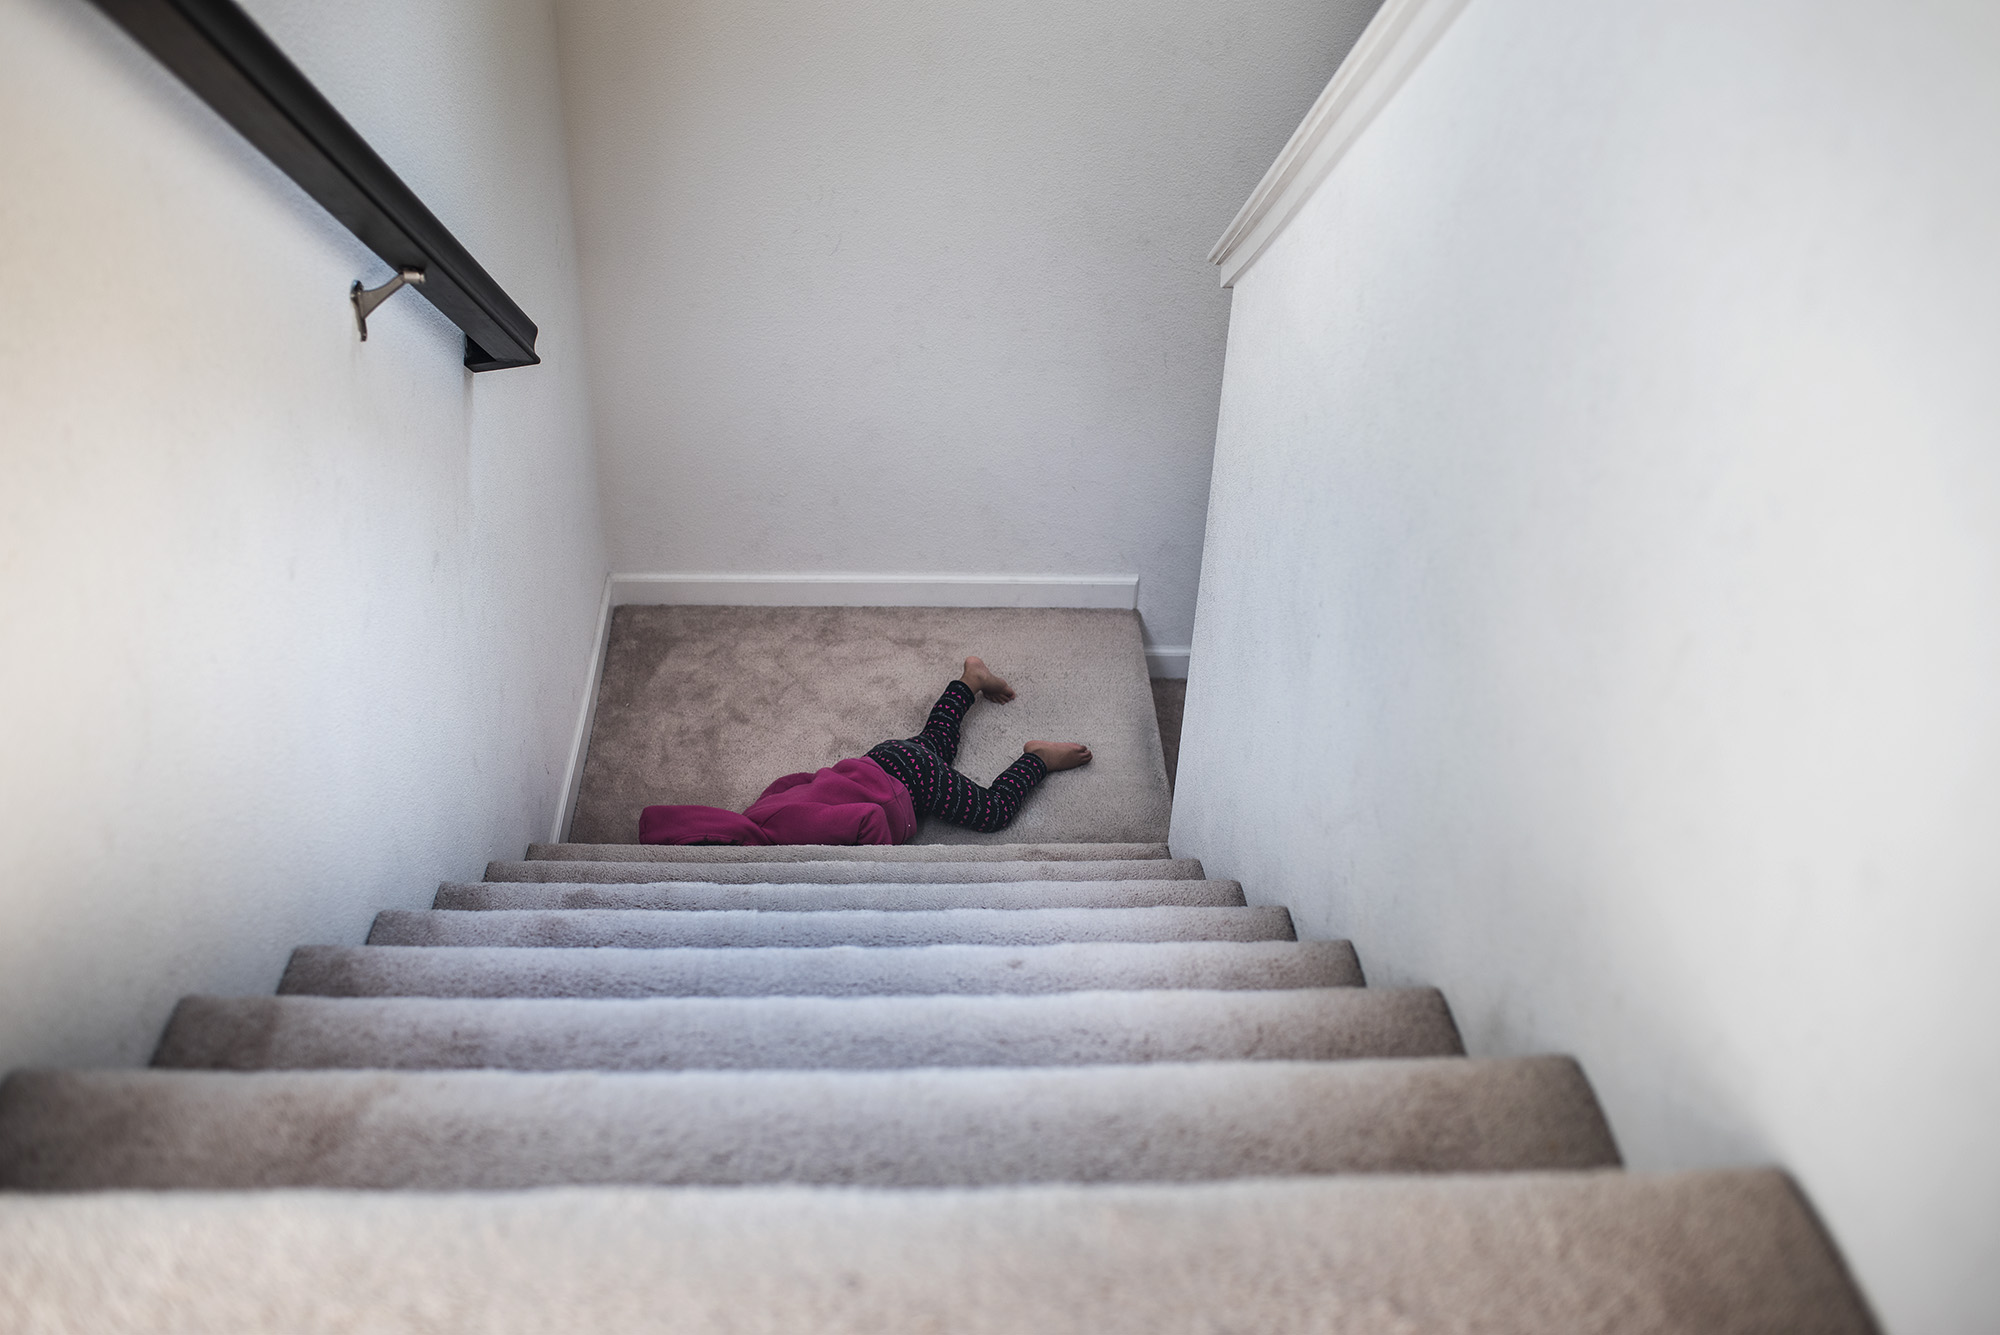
847 872
613 971
1073 1028
899 896
1719 1253
435 1131
844 852
753 927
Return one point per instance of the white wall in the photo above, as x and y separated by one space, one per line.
291 627
901 287
1598 617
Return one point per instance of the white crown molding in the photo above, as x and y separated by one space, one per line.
1394 43
586 719
791 590
1167 660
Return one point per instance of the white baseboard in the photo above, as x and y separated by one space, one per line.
1167 660
1112 591
586 718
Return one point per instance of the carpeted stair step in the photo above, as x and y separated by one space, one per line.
1065 1029
1717 1253
432 1131
902 896
847 873
844 852
710 704
516 971
832 927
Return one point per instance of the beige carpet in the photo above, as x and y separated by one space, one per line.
817 971
754 928
1562 1253
786 869
803 1033
941 1127
678 894
1169 705
709 704
999 1139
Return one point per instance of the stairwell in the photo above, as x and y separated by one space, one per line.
1001 1088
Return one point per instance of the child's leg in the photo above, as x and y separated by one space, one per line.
923 763
940 732
936 789
963 802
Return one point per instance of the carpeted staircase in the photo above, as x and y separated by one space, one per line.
1017 1088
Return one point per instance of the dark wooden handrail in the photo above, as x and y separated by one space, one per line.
219 51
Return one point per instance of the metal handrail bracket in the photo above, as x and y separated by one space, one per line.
220 53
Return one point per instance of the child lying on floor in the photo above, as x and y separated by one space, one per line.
876 799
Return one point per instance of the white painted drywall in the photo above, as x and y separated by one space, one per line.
1600 616
291 626
901 288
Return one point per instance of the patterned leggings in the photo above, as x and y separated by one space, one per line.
923 764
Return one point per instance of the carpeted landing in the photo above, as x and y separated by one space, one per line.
710 704
1069 1090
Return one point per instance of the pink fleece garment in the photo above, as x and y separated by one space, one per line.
853 802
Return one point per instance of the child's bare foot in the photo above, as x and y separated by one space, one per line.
982 680
1059 755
